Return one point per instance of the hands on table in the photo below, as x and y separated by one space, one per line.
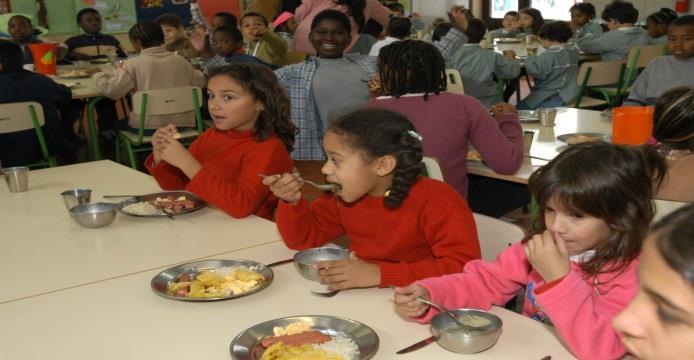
166 147
502 109
406 303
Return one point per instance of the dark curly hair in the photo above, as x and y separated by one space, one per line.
556 31
584 8
538 20
673 239
380 132
411 66
621 11
148 33
262 83
610 182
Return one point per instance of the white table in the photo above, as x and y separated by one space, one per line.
44 250
82 88
123 319
545 144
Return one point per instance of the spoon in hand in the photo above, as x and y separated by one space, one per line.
450 313
326 187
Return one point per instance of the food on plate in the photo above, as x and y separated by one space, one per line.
142 208
176 136
580 139
160 206
300 341
214 283
74 73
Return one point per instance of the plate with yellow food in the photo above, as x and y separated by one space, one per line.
308 337
583 137
212 280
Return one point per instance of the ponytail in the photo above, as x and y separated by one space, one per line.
407 170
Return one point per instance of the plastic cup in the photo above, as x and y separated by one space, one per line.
632 125
74 197
527 141
44 58
547 117
17 178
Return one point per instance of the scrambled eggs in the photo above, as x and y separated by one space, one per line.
210 284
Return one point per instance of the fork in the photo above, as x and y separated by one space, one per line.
326 187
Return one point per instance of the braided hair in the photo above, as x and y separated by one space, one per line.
412 66
148 33
380 132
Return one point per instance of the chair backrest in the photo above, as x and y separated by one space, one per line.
664 207
599 73
454 81
432 168
166 101
18 117
496 235
647 53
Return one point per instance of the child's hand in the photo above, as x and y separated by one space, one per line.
503 108
548 255
406 303
159 141
286 186
374 84
350 273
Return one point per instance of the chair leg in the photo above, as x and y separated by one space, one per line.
116 144
131 155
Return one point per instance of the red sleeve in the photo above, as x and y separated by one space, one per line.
302 227
168 176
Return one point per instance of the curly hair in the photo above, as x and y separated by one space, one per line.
559 31
591 179
621 11
263 85
584 8
379 132
411 66
673 238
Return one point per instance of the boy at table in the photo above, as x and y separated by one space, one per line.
175 36
92 44
622 35
478 67
225 47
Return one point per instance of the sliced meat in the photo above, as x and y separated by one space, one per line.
309 337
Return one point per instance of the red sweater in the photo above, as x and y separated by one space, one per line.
231 162
432 233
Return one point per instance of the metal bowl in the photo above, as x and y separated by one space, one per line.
452 338
94 215
74 197
305 259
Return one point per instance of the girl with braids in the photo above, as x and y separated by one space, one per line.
252 134
579 268
657 25
402 226
659 323
358 11
151 70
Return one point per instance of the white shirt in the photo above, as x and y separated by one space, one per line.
376 48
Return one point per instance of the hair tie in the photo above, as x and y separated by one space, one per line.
414 135
652 141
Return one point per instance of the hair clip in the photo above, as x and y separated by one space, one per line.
414 134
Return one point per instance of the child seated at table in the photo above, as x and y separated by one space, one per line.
226 48
252 135
92 44
402 226
622 35
655 324
583 20
155 68
657 25
530 21
175 36
398 29
579 269
262 42
510 26
667 72
22 33
554 70
480 67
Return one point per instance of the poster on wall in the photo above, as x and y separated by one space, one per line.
501 7
117 16
151 9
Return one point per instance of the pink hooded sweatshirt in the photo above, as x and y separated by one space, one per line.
581 309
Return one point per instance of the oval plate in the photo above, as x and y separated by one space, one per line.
246 345
591 135
198 202
161 281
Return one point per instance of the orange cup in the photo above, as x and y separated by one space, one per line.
632 125
44 58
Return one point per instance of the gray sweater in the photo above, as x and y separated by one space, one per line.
615 44
661 75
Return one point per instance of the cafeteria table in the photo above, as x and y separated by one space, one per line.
123 318
44 250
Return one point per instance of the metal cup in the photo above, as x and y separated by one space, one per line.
531 50
74 197
547 117
527 141
17 178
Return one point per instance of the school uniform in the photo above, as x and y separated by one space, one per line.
660 40
615 44
661 74
478 67
503 33
555 72
592 28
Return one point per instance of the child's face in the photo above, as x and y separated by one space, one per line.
223 44
654 29
580 232
20 29
348 168
253 28
680 41
329 38
526 21
172 33
231 106
659 322
91 23
510 23
578 18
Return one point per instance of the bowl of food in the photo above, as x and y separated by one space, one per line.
482 331
94 215
305 260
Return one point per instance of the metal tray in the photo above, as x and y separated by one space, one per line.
198 202
589 136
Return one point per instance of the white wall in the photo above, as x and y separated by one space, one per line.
431 9
646 7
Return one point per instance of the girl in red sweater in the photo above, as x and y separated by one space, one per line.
252 134
402 226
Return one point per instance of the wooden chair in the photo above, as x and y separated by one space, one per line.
592 75
637 59
454 81
22 116
432 168
159 102
495 235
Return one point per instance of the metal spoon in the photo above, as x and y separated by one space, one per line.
325 294
450 313
326 187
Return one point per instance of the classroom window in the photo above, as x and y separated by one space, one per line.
500 7
554 9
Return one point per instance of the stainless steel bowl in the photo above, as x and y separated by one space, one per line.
305 259
94 215
74 197
452 338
